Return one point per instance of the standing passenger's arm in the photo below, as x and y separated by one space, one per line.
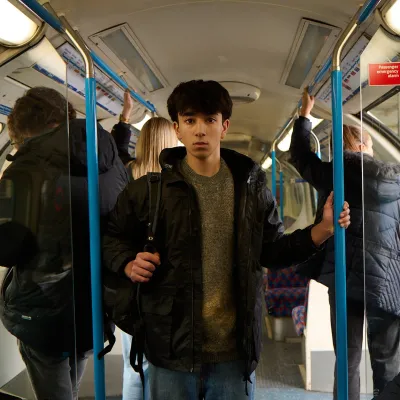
281 251
121 132
317 173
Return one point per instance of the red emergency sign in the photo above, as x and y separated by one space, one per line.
385 74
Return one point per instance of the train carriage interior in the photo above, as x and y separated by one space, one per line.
264 53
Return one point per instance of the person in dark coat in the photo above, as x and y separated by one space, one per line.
373 256
201 294
46 300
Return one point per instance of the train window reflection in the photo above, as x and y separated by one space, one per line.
6 201
387 113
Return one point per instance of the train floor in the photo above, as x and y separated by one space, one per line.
278 376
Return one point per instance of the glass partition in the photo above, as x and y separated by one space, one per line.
38 342
385 111
374 268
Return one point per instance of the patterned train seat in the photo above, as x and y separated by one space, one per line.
299 315
285 290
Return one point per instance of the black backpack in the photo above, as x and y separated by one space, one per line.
122 298
35 219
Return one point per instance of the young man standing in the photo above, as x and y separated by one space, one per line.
201 294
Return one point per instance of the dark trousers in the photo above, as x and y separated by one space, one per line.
53 377
383 335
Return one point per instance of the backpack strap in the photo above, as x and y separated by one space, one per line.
108 331
137 348
153 179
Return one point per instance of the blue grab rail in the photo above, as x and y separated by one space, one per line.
102 65
367 10
55 23
340 244
339 237
44 15
94 229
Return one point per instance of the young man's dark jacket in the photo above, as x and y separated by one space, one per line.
44 286
172 300
377 256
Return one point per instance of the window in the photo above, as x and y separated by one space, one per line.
6 201
386 111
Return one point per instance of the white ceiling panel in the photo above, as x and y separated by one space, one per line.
246 41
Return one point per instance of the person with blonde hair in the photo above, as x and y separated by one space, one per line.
372 259
156 135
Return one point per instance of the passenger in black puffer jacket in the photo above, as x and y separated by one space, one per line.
46 301
199 297
381 251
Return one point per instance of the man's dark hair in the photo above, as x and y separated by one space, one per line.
198 96
71 112
36 111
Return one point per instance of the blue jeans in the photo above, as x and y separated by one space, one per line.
132 385
215 382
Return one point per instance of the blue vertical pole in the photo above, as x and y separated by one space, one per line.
316 191
94 229
273 189
281 191
340 245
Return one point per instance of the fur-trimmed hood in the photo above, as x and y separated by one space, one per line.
380 179
373 167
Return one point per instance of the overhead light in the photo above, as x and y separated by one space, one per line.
312 43
16 29
120 44
391 15
140 124
284 144
314 121
267 163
